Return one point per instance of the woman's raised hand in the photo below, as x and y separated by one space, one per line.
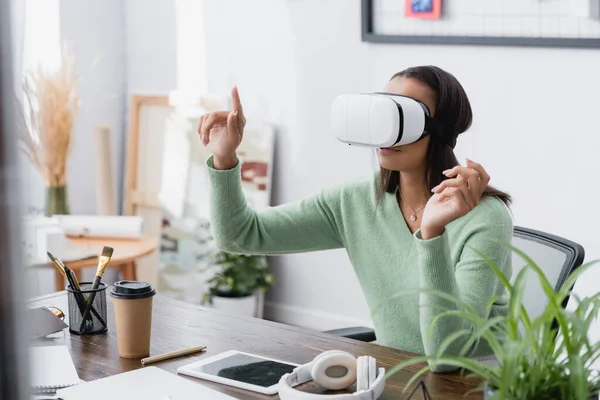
454 197
222 131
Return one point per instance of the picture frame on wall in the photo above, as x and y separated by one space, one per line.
424 9
568 24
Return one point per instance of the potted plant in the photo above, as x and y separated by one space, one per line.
548 357
235 287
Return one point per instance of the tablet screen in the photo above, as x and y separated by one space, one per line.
247 369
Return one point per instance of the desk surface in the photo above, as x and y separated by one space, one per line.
177 325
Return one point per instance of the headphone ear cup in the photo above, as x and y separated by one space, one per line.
327 353
335 370
362 373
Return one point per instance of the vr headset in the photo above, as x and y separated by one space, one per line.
335 370
383 120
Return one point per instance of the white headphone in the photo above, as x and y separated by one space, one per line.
335 370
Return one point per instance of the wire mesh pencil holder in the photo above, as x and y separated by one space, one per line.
95 321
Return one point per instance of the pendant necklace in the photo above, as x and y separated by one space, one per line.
413 216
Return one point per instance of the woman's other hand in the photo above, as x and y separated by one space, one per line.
222 131
454 197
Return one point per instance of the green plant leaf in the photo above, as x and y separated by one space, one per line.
483 331
515 303
504 280
570 281
450 339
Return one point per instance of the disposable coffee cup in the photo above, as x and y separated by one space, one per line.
133 317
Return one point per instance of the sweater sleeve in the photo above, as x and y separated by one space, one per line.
306 225
469 278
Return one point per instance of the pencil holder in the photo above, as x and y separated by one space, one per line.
78 302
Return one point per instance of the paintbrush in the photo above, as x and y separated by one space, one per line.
66 272
57 264
103 260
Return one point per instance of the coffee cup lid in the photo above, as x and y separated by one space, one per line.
132 290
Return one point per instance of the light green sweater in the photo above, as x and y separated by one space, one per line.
386 256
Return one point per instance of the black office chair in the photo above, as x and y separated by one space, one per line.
556 256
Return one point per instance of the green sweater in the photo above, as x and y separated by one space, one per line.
386 256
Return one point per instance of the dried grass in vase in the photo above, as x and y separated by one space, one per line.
48 115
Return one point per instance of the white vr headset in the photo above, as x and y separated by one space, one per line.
335 370
383 120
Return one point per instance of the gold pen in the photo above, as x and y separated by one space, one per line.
167 356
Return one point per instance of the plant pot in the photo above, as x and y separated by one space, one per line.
241 306
57 201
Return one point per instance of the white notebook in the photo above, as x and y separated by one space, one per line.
146 383
51 368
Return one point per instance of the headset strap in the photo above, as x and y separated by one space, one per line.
438 130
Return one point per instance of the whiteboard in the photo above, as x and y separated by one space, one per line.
563 23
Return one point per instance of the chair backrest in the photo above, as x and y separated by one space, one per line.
556 256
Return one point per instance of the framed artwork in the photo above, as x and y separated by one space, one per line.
424 9
547 23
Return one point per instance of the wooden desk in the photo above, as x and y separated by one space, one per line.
126 252
177 325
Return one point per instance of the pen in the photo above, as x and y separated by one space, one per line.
166 356
66 272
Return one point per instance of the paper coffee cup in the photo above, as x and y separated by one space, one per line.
133 317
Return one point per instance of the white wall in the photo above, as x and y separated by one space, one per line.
535 126
96 30
150 46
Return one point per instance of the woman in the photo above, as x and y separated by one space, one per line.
414 224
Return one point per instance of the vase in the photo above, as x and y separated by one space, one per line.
57 201
239 306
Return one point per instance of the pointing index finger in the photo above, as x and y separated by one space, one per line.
235 97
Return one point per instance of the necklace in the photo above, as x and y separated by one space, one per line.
413 216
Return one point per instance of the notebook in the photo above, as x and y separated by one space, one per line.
51 369
146 383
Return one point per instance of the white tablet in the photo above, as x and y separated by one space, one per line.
244 370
